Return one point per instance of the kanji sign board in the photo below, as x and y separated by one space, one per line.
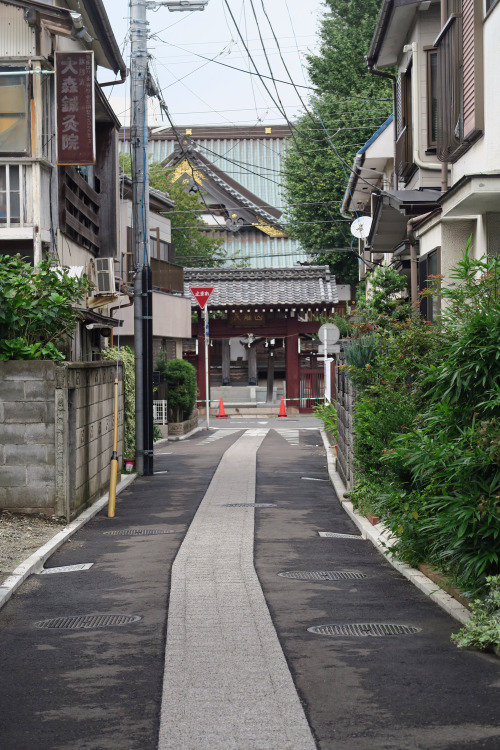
201 294
75 108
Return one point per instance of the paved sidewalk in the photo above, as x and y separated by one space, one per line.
227 685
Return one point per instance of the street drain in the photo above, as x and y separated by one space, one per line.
334 535
66 569
374 629
249 505
323 575
138 532
84 622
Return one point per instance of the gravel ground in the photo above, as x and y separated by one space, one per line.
22 535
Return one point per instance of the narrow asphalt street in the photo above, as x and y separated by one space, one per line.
197 613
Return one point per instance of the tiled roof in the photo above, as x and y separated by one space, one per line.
301 285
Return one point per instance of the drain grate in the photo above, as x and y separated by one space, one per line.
138 532
66 569
323 575
374 629
84 622
249 505
334 535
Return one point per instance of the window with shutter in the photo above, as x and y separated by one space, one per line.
404 144
460 79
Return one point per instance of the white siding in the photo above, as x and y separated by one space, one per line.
17 39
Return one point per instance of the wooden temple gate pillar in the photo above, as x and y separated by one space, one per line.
292 361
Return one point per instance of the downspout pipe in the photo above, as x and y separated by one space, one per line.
415 100
381 74
413 263
122 79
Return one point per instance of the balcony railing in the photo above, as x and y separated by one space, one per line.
167 276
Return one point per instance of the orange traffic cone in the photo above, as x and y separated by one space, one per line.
282 408
221 414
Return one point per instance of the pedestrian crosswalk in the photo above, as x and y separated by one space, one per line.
290 435
217 434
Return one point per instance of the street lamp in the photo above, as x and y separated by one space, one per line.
143 294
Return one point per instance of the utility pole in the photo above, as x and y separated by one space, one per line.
143 296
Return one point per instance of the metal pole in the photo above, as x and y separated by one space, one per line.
140 204
114 459
207 368
326 363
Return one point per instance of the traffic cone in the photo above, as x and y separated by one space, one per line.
221 414
282 408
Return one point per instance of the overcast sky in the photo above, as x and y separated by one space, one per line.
200 92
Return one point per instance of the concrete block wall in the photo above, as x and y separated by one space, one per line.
56 434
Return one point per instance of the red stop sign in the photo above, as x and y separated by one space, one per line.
201 294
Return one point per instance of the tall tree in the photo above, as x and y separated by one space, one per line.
349 105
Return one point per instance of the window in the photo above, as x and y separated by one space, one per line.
429 266
490 4
404 143
10 194
13 111
432 98
460 107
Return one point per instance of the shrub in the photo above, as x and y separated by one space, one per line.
37 309
182 391
126 355
328 415
483 629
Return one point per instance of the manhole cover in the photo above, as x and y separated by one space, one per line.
374 629
249 505
323 575
334 535
66 569
137 532
79 622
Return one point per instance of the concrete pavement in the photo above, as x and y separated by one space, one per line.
220 655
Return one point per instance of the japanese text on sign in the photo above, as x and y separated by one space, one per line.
75 108
202 294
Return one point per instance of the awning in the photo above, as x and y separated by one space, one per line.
392 210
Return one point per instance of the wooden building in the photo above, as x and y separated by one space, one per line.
263 324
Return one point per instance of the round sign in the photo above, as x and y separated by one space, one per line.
332 334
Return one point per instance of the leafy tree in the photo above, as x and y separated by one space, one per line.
348 107
37 309
193 245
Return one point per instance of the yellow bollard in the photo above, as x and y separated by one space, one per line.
114 461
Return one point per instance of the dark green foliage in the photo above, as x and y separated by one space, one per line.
428 421
182 391
349 106
37 309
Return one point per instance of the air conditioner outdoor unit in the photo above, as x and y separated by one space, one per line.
104 276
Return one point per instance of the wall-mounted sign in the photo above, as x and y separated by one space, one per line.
75 119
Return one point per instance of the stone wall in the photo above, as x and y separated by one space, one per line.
56 434
346 397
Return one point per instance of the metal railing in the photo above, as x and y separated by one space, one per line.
160 412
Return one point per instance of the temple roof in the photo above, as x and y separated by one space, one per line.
299 285
243 209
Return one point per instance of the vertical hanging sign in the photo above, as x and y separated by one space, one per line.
75 120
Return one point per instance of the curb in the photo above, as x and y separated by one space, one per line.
382 539
35 563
